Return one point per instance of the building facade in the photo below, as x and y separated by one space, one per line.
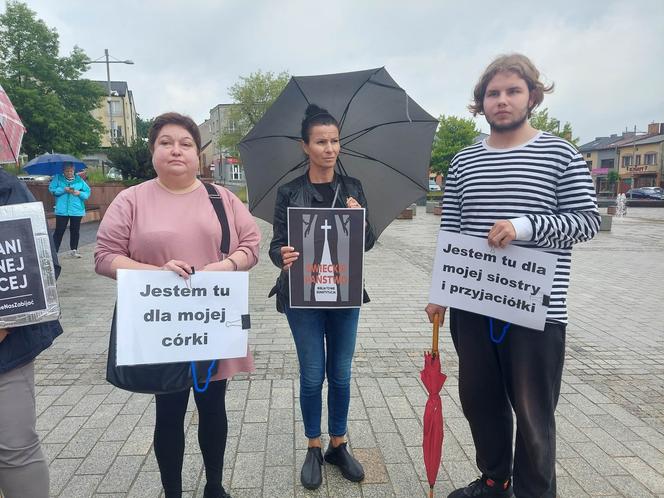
635 158
641 161
118 117
221 165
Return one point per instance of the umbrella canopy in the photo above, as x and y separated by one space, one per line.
11 130
52 164
385 141
433 379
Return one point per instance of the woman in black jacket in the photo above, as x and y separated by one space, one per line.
324 338
23 468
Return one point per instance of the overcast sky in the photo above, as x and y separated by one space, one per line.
604 56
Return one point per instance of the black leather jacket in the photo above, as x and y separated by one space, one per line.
300 193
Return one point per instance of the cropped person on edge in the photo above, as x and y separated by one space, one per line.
324 338
71 192
531 188
170 224
23 467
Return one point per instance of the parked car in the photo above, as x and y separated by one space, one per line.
34 178
433 186
114 174
655 193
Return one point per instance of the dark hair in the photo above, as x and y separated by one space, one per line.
518 64
315 116
174 118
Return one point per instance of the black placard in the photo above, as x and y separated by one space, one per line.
328 272
21 286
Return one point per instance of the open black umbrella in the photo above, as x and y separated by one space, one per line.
385 141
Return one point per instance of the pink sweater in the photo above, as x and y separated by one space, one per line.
151 225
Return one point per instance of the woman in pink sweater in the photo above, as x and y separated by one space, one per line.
169 224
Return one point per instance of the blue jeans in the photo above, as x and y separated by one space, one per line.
314 332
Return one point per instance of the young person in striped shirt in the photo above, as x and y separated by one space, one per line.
533 189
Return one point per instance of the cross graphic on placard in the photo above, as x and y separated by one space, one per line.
326 227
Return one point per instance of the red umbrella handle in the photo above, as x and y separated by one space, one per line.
436 326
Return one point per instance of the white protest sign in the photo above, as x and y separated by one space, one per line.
161 318
512 284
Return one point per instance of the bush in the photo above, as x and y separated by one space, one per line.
95 175
133 161
242 194
13 169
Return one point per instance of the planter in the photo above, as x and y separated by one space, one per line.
611 210
406 214
605 224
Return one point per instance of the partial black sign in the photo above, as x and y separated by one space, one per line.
28 293
328 273
21 288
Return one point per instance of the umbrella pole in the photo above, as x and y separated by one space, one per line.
430 491
436 326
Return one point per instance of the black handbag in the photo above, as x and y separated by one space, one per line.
166 378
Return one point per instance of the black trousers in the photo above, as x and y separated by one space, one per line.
74 230
521 373
212 433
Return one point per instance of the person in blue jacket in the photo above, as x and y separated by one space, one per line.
23 467
71 192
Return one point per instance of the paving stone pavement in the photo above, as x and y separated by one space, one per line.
610 417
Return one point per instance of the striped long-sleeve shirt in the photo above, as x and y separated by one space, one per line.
544 181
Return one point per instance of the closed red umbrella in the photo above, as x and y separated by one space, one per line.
433 379
11 130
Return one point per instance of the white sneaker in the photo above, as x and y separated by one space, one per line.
75 254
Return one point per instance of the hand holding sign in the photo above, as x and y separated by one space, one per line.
288 257
501 234
182 268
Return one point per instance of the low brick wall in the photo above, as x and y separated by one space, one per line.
92 213
101 196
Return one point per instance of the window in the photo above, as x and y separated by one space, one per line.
607 163
638 160
231 127
236 172
627 160
589 163
587 154
116 108
650 158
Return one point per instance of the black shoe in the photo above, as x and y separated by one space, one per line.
215 492
350 468
485 487
311 475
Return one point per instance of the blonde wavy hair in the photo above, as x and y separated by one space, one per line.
518 64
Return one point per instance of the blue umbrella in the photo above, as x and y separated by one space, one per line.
52 164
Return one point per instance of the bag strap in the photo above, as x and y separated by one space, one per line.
218 206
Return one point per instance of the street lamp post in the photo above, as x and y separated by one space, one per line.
108 82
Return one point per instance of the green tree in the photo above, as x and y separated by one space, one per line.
143 126
541 121
453 134
252 96
45 88
134 161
